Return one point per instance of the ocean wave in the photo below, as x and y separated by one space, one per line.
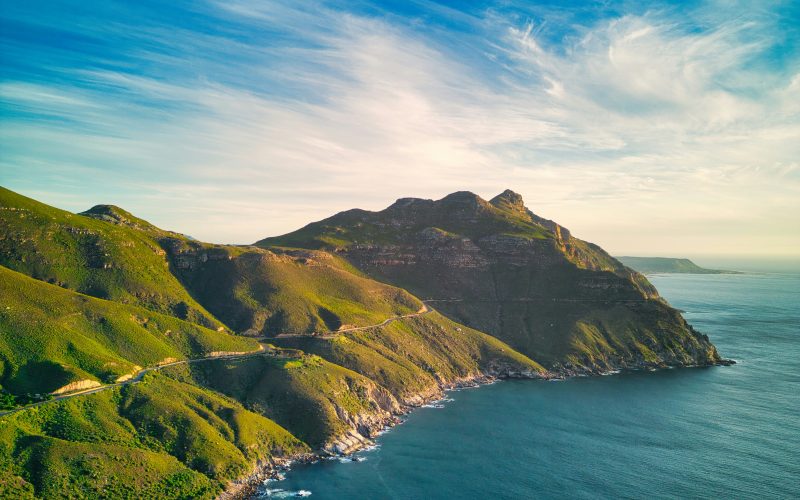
279 476
281 493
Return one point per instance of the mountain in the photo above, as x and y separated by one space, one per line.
214 363
106 253
653 265
497 267
324 356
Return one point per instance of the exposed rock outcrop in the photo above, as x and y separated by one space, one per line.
78 385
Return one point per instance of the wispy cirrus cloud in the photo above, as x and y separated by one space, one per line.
650 131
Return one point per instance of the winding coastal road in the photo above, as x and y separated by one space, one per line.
262 351
335 333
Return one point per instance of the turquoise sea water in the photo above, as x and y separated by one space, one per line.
722 432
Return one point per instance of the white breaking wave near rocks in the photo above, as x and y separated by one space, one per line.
281 493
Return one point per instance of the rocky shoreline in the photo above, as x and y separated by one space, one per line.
356 439
361 438
567 370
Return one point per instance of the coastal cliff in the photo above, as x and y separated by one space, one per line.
499 268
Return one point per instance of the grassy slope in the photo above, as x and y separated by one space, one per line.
190 427
50 336
108 253
315 400
112 261
157 439
280 292
416 355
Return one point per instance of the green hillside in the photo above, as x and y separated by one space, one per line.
360 378
109 253
157 439
50 337
317 401
414 356
270 292
116 261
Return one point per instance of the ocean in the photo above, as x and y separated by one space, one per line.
721 432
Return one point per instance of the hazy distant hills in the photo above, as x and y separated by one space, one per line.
312 341
653 265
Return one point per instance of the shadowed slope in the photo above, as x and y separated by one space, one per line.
51 337
265 292
416 357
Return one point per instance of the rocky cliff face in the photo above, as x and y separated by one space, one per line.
499 268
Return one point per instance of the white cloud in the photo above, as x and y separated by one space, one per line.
638 134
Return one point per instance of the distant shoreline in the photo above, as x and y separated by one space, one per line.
668 265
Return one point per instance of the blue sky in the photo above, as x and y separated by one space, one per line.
647 127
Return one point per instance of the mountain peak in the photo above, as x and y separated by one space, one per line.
462 197
509 200
405 203
108 210
117 215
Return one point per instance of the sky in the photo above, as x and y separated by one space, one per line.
650 128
